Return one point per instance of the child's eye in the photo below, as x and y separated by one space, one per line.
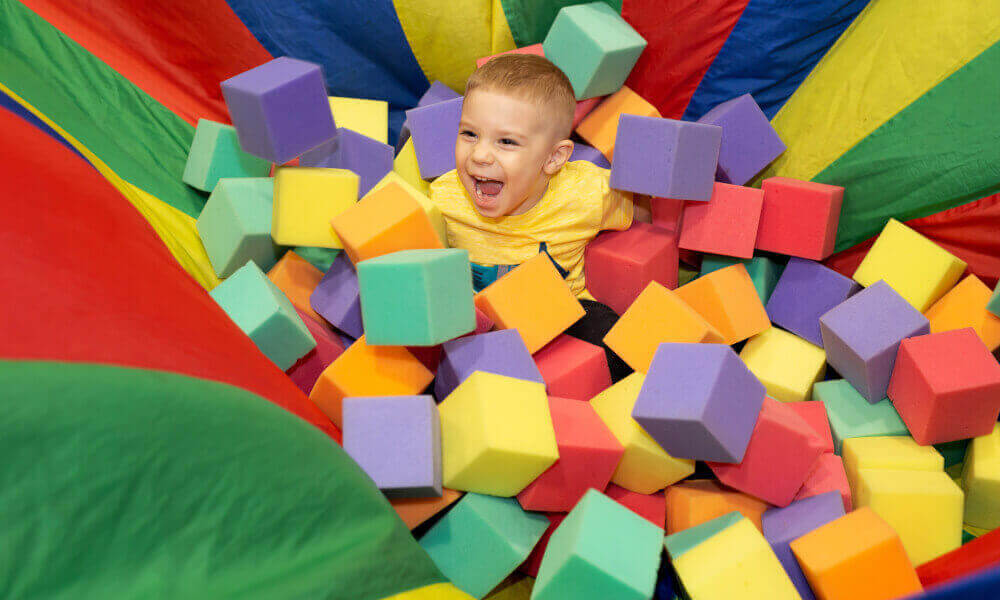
467 133
508 142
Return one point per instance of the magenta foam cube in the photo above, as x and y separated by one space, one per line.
862 334
589 153
749 143
280 109
434 129
805 291
337 298
665 157
396 440
699 401
501 352
370 159
307 370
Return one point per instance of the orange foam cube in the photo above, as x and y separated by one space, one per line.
534 300
297 277
388 219
364 370
414 511
691 503
658 315
728 300
856 557
600 127
965 306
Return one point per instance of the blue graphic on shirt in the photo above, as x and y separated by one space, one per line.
483 275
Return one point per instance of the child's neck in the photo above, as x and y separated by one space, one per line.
532 202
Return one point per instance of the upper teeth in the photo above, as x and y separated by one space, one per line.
477 178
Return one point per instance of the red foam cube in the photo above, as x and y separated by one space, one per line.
588 456
666 213
779 457
946 386
530 565
977 555
535 49
799 218
307 370
618 265
573 368
726 224
652 507
827 475
814 413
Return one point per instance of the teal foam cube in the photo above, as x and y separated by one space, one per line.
416 297
851 415
993 304
601 550
594 46
764 272
215 153
235 225
482 540
265 314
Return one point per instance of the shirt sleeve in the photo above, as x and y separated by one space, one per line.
616 206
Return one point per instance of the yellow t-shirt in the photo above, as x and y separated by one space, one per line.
578 204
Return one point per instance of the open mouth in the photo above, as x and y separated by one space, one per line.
487 190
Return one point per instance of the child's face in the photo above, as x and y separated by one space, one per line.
506 151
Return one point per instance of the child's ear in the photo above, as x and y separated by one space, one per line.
558 157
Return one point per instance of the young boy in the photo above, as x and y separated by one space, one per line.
514 193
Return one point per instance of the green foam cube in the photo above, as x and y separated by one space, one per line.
764 272
482 540
235 225
601 550
215 153
265 314
321 258
852 416
416 297
993 304
594 46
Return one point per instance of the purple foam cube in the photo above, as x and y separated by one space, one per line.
435 129
699 401
861 336
806 291
438 92
501 352
585 152
337 298
665 157
783 525
749 143
396 440
280 109
370 159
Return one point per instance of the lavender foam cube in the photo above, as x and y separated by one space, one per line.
805 291
438 92
589 153
435 129
699 401
861 337
501 352
370 159
280 109
749 143
337 298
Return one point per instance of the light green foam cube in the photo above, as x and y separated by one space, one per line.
215 153
764 272
235 225
852 416
993 304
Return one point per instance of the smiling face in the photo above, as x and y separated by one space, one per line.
507 150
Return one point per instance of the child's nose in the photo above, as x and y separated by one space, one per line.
482 154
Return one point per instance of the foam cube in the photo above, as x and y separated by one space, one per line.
783 525
573 368
728 300
855 556
667 213
386 220
917 268
728 557
691 503
814 414
416 297
899 453
618 265
665 157
645 467
586 559
534 49
827 475
396 440
321 258
420 195
481 541
591 154
235 225
946 386
764 272
779 457
360 154
965 306
699 401
975 555
657 316
502 352
786 364
533 299
749 142
519 443
415 511
307 369
337 297
405 165
280 109
862 334
434 129
367 117
298 279
806 291
799 218
981 479
588 456
305 199
600 127
993 305
215 154
594 46
530 565
262 312
367 370
726 224
513 588
437 92
652 507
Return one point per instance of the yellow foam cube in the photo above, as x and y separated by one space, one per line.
786 364
965 306
433 212
305 199
367 117
405 164
645 467
918 269
981 478
496 434
898 452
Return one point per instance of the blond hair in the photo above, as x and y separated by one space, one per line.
533 78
